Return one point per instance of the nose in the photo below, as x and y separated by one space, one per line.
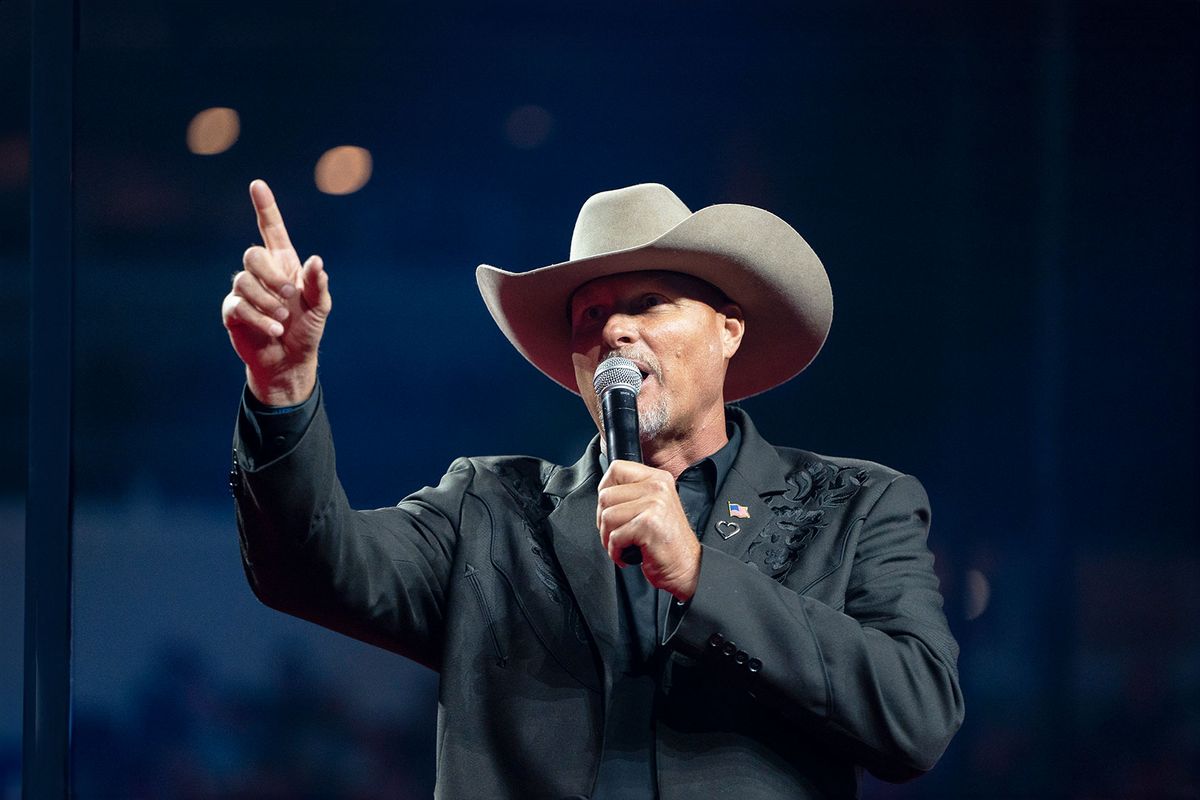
620 330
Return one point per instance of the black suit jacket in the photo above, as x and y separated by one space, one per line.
815 644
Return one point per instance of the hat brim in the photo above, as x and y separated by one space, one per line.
754 257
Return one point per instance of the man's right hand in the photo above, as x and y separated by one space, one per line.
276 311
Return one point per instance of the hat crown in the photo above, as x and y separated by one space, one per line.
625 218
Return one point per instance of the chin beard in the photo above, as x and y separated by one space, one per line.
652 420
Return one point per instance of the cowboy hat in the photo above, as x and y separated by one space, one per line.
751 255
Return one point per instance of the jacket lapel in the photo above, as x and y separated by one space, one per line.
756 476
587 567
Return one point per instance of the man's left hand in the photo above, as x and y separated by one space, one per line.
638 505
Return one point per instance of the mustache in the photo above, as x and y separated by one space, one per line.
644 359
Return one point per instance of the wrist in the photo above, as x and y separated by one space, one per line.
687 588
281 390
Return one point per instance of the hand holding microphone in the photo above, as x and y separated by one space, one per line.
617 382
638 511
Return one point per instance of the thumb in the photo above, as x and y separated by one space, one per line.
316 285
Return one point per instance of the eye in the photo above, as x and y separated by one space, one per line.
652 300
588 316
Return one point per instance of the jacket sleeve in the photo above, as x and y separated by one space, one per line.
379 576
878 677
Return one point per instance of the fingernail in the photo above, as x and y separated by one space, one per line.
276 329
281 313
288 290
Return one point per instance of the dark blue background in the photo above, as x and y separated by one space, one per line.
1004 195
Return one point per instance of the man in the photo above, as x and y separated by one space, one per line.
784 629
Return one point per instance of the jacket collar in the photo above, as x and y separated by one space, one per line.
756 460
757 474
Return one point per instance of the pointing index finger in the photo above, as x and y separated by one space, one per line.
270 221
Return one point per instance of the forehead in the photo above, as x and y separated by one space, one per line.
673 283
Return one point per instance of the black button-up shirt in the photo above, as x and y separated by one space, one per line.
627 768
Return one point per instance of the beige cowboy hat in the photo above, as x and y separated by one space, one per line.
751 255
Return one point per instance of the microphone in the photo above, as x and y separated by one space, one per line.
617 383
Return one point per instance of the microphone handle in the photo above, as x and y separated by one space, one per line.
618 406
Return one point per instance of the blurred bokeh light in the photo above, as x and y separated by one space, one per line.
979 592
213 130
343 170
528 127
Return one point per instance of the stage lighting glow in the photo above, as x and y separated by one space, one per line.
977 595
528 127
343 170
213 130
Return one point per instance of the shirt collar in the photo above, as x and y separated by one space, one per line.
711 469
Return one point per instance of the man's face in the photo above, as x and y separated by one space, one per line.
679 330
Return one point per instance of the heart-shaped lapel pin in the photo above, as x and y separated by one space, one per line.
728 529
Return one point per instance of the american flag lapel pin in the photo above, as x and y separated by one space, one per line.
738 510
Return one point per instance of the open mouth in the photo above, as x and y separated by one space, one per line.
646 373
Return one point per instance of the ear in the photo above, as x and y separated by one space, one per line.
733 328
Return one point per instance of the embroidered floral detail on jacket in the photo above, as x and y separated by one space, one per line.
535 507
801 513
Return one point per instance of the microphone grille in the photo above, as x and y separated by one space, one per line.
617 371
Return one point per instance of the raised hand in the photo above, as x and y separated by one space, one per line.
638 505
276 311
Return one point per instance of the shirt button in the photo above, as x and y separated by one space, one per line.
741 657
729 649
754 665
716 640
